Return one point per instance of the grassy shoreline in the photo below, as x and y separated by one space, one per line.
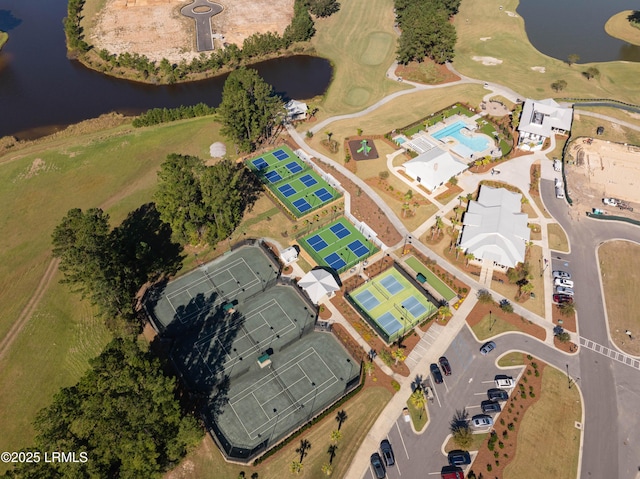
619 27
4 37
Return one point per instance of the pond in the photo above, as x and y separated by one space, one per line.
42 91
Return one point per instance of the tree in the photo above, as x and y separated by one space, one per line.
567 309
558 85
444 311
295 467
323 8
418 400
303 449
591 72
249 108
301 27
453 181
573 58
341 417
469 257
398 355
526 288
123 413
336 435
460 199
484 296
327 469
463 437
515 116
368 368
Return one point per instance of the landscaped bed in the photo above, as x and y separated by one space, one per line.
486 326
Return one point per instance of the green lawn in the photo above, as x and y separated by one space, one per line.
445 291
419 417
511 359
477 441
547 436
558 240
362 411
490 326
506 40
361 44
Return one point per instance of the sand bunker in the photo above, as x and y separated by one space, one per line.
511 14
484 39
538 69
487 60
217 150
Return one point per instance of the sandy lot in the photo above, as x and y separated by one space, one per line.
156 29
603 169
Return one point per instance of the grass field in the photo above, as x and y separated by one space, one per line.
547 436
298 187
338 245
362 411
360 42
391 304
557 238
492 325
619 113
619 26
584 125
508 41
445 291
476 443
397 114
418 418
511 359
617 259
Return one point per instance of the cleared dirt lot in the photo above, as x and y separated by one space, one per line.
156 29
600 169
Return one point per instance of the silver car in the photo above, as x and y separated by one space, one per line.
481 420
564 290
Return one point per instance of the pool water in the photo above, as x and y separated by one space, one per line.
476 143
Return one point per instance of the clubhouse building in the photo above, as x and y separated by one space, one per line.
541 119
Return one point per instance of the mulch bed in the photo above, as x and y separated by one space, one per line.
355 145
526 393
480 310
364 208
568 347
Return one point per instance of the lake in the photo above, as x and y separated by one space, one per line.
561 28
42 91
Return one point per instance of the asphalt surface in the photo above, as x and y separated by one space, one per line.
611 390
420 455
204 34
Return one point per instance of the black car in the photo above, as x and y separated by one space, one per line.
378 467
444 364
459 458
387 453
489 406
496 394
435 372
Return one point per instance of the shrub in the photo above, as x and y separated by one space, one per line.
383 174
395 385
500 445
510 426
489 467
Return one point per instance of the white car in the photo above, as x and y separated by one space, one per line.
564 290
504 382
558 182
610 201
481 420
567 283
561 274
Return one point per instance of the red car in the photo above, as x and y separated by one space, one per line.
562 298
444 364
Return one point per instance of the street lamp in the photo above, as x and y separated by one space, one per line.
490 321
407 239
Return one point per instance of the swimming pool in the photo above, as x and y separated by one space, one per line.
476 142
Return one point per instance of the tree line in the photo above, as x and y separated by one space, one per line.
426 30
156 116
257 45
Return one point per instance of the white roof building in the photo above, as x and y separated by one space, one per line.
296 110
541 119
494 229
434 167
318 284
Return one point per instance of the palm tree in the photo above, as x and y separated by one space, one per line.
418 400
341 416
398 355
460 198
327 469
439 224
332 452
469 257
444 311
296 467
368 368
459 250
336 435
526 288
303 449
567 309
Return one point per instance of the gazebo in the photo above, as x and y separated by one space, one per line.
318 284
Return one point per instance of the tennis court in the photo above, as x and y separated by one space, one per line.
300 189
432 280
392 304
246 344
338 245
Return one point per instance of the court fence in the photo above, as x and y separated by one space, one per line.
245 454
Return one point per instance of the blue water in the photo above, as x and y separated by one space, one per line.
400 140
475 143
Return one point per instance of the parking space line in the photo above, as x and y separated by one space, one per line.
402 440
436 393
445 384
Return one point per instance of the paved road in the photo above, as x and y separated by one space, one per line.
204 35
420 455
611 389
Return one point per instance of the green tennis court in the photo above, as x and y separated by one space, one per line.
392 304
436 283
300 189
339 245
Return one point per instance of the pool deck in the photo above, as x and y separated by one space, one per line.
452 145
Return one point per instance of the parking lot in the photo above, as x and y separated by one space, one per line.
421 455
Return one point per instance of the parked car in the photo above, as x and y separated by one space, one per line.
557 165
481 420
561 274
496 394
503 381
487 348
378 467
490 407
559 192
452 472
387 453
435 372
459 458
567 283
564 290
611 201
444 364
562 298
